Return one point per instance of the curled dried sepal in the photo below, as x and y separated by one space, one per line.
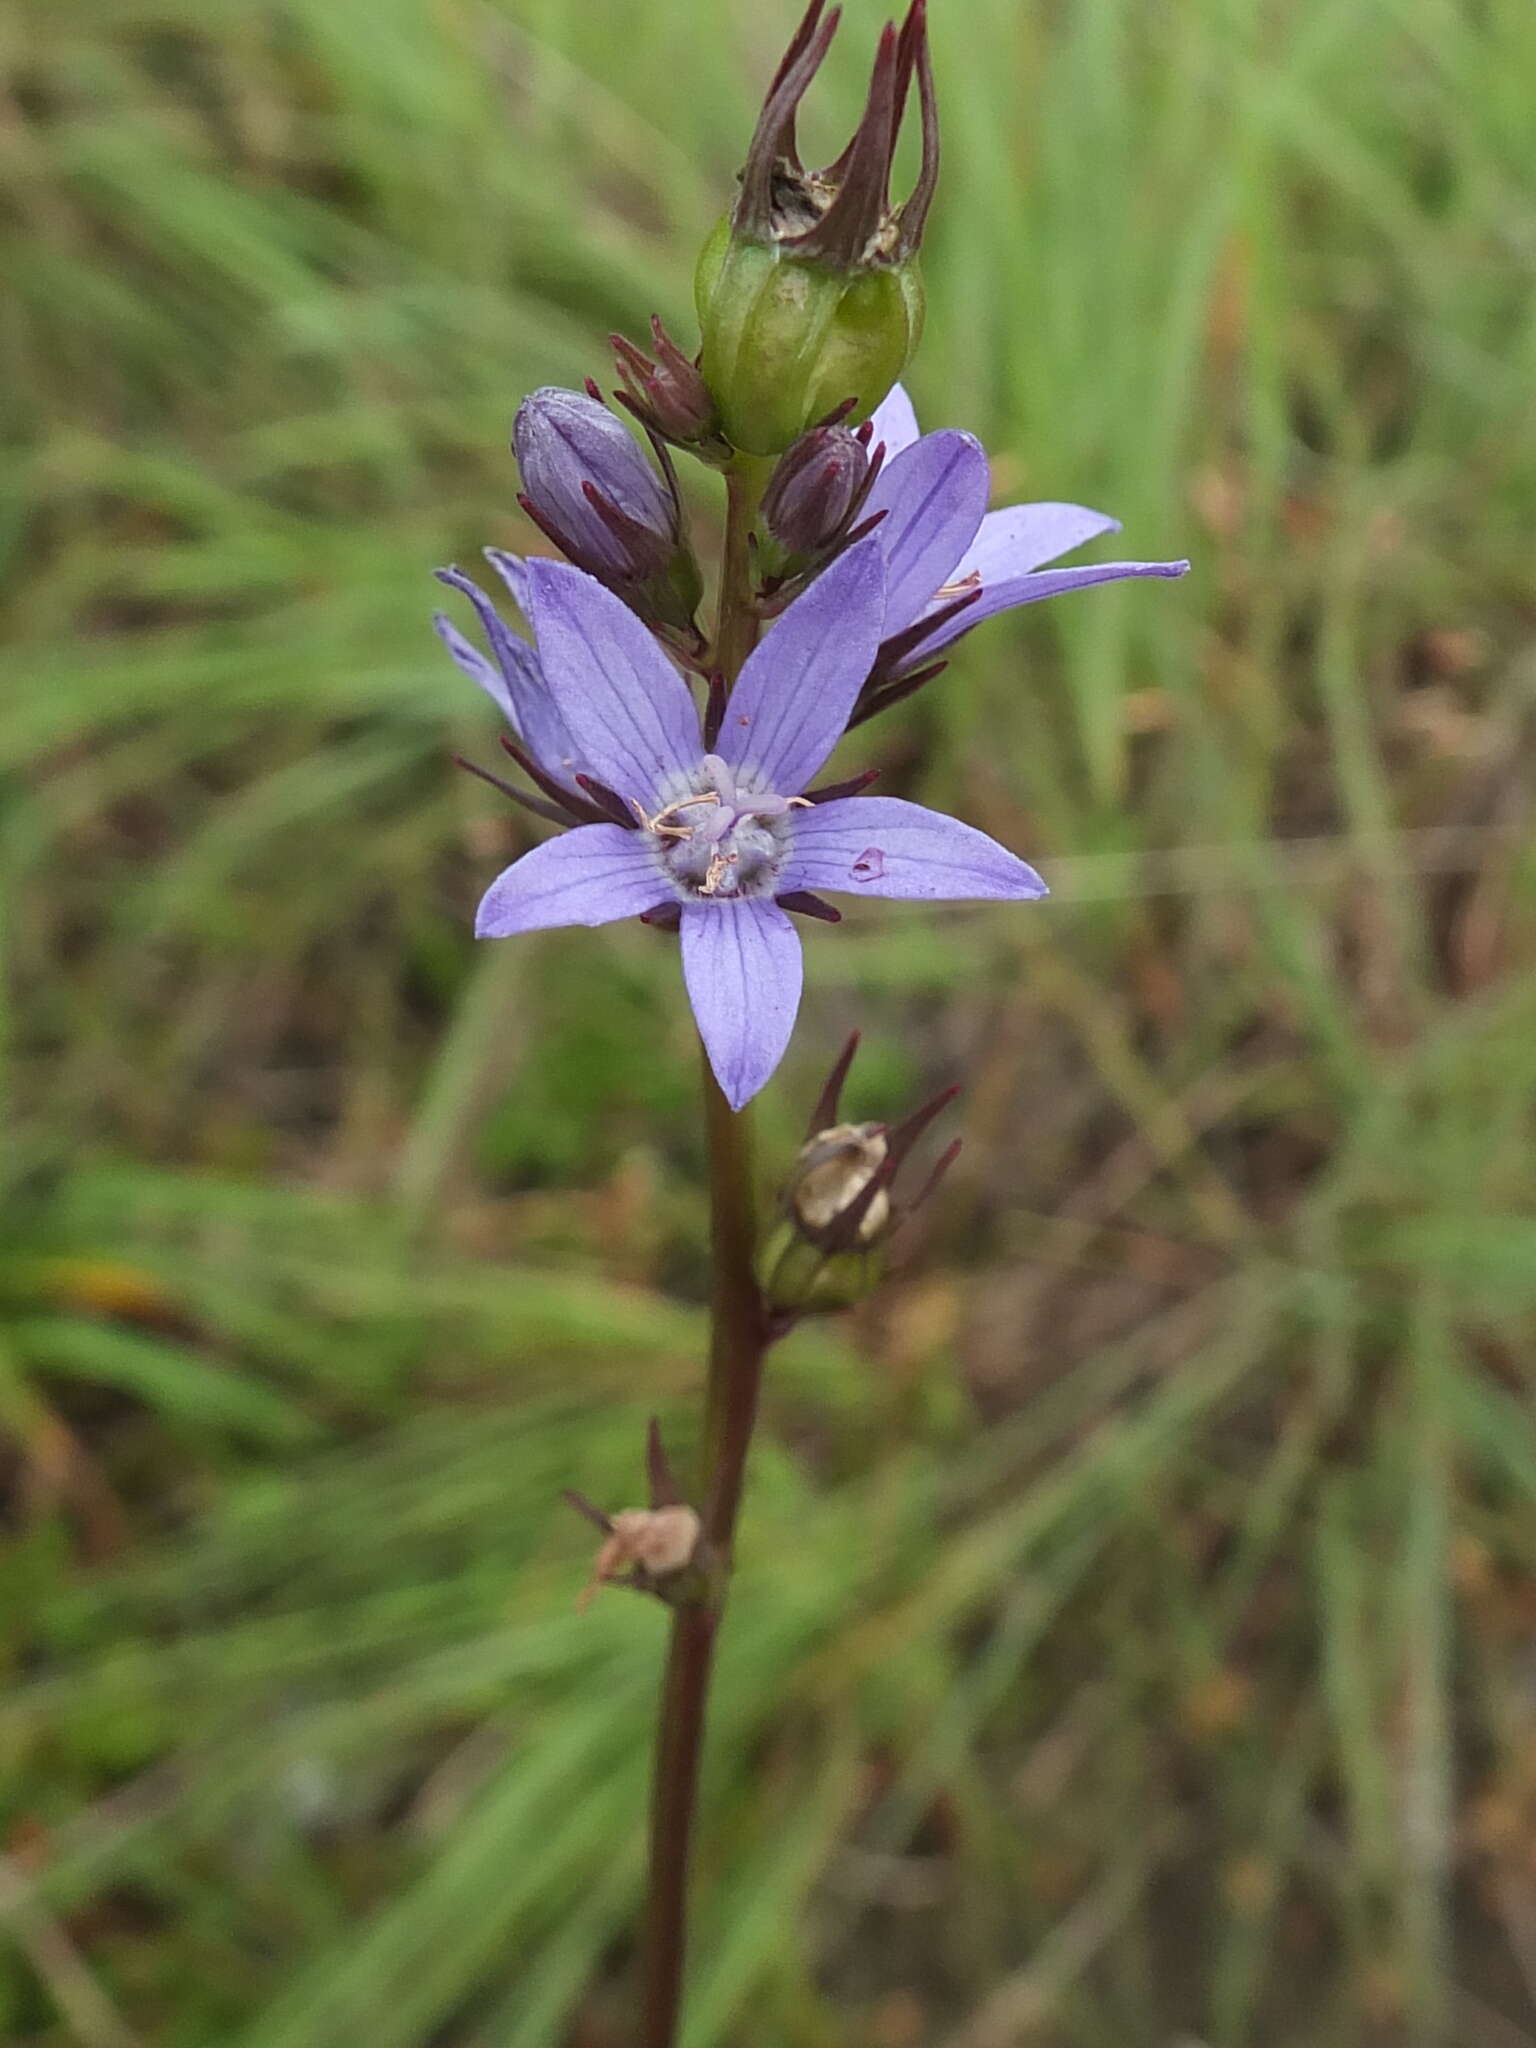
649 1550
841 216
657 1549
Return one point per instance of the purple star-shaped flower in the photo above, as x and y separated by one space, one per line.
942 545
721 831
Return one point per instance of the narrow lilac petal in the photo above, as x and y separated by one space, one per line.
1012 591
884 846
520 691
894 422
629 711
1020 537
933 496
743 968
594 875
475 665
513 571
791 704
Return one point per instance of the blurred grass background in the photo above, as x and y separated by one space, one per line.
1136 1636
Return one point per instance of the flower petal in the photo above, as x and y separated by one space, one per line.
475 665
594 875
791 704
933 496
743 968
1020 537
513 571
520 689
628 710
884 846
1010 592
894 422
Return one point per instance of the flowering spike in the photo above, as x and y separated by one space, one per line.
724 830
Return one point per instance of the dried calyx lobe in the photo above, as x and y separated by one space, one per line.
809 294
842 216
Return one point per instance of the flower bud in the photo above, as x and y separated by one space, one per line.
809 294
667 393
587 485
814 491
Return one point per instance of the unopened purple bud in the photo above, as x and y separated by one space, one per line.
566 443
816 487
588 486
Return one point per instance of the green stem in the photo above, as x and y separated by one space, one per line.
738 1342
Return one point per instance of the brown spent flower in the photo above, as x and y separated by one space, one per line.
645 1547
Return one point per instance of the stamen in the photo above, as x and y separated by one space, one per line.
720 865
659 824
960 587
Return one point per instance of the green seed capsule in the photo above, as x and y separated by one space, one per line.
786 341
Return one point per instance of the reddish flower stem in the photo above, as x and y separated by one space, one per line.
739 1333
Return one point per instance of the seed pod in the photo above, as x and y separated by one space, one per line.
809 293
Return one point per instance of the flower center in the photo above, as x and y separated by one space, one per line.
722 837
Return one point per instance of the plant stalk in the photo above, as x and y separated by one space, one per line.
738 1342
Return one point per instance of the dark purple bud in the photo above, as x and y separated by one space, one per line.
667 394
814 491
589 487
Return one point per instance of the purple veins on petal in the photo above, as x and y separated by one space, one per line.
629 711
793 699
743 969
934 496
593 875
885 846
